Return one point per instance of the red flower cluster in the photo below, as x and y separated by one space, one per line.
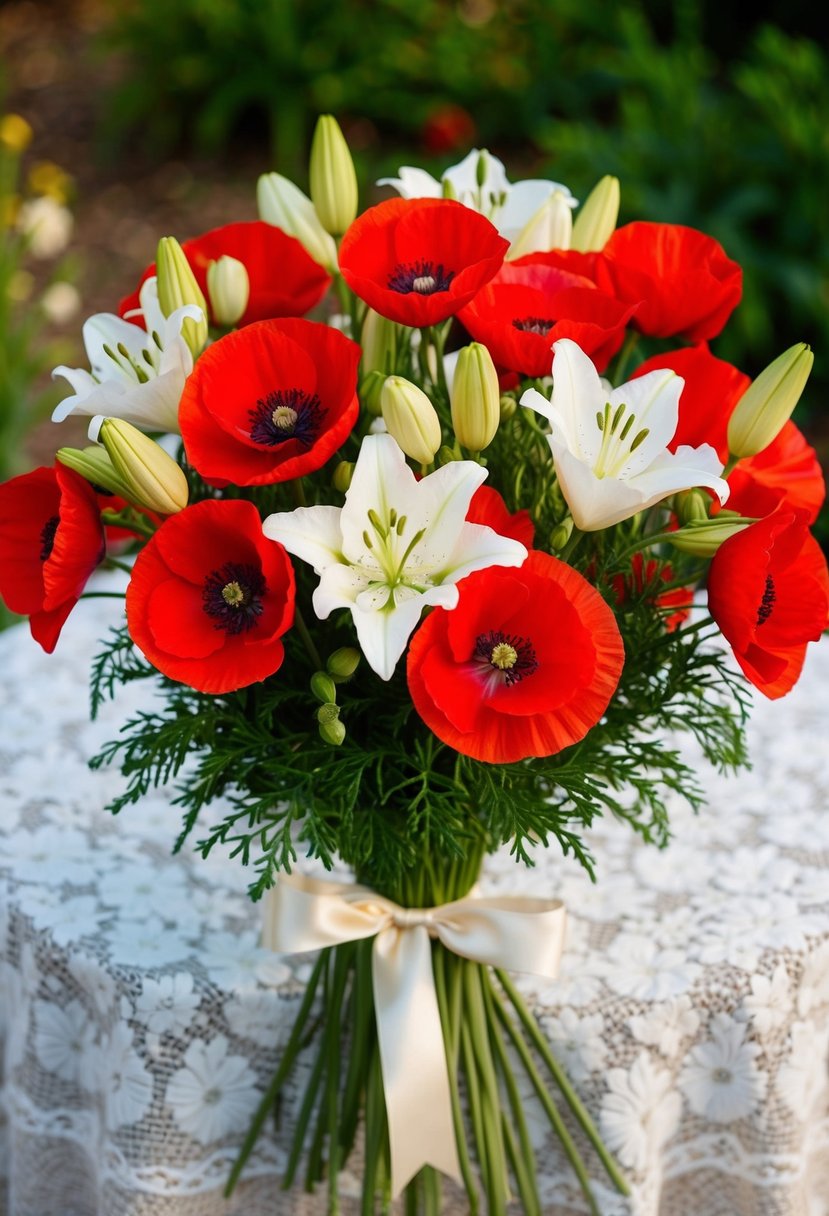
284 280
51 539
270 402
210 598
524 666
643 583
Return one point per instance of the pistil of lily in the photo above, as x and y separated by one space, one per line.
397 546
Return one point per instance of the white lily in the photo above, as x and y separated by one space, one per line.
610 446
480 181
398 545
137 374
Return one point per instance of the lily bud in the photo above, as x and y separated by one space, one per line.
341 479
370 392
767 404
691 506
228 286
551 227
475 398
152 479
378 339
95 465
703 537
596 221
411 419
177 286
343 663
333 180
322 686
283 204
561 533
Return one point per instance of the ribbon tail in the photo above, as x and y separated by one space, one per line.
412 1056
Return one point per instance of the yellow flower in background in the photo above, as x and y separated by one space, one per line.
15 133
45 177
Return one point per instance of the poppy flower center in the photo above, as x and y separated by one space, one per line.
286 414
767 602
505 658
424 278
47 536
534 325
232 596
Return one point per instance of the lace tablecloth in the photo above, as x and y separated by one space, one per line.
140 1019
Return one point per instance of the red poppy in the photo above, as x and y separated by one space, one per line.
417 261
786 472
768 590
682 279
210 597
269 402
524 666
573 261
285 281
526 308
51 539
447 128
712 389
643 582
488 507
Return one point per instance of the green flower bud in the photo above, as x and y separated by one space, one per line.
228 286
691 506
702 538
551 227
411 419
446 455
767 404
283 204
322 686
333 180
596 221
332 732
95 465
378 340
327 713
371 391
475 398
561 533
341 478
177 286
343 663
507 407
152 478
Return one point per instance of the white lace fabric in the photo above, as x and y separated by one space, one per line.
140 1020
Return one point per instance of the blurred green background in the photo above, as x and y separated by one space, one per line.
165 111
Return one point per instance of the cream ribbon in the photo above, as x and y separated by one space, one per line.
521 934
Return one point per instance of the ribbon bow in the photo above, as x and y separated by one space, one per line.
520 934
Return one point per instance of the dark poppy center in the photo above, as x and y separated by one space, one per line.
424 278
506 655
286 414
534 325
232 596
767 602
47 536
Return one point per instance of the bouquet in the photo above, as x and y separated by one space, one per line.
418 579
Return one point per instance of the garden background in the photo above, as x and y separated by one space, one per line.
155 117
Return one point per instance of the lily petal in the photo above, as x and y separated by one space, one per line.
310 533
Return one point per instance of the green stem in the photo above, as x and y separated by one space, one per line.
572 544
131 520
559 1076
494 1153
629 347
307 640
103 595
375 1133
310 1095
449 1007
362 1028
112 563
289 1055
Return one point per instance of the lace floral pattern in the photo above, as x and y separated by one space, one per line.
140 1019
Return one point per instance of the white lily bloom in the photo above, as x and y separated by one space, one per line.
610 446
398 546
137 374
482 184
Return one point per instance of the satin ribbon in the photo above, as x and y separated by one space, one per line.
515 933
